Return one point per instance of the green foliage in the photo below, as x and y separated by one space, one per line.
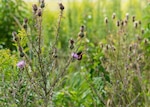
12 13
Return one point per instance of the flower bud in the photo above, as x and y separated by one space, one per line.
81 34
127 16
40 12
42 4
71 46
25 20
61 6
106 20
133 18
71 41
122 23
25 26
140 22
82 28
14 34
135 24
34 7
22 54
142 31
113 15
118 23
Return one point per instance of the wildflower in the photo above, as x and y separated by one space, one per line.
21 64
77 56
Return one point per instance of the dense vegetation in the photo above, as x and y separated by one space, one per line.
83 54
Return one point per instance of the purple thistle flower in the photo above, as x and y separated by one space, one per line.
77 56
74 55
21 64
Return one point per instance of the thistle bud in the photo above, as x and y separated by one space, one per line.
81 34
25 26
130 48
25 20
61 6
82 28
35 8
40 12
140 22
42 4
135 24
113 15
146 41
122 23
14 34
133 18
106 20
22 54
71 41
142 31
127 16
118 23
71 46
20 49
125 22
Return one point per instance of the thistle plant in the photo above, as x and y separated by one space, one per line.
124 59
43 65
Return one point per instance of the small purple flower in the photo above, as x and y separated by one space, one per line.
74 55
21 64
77 56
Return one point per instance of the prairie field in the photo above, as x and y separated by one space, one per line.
74 53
